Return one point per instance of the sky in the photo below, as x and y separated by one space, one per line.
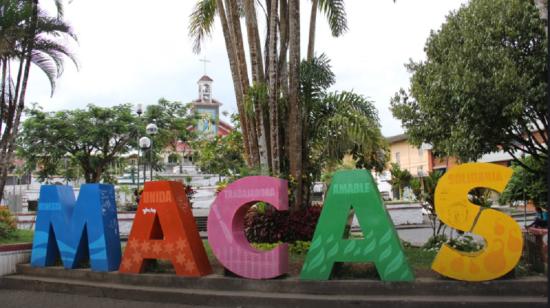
137 51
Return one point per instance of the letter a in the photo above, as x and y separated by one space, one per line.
84 229
355 189
164 228
502 234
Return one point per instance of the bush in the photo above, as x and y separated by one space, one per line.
435 242
8 225
266 225
464 243
296 248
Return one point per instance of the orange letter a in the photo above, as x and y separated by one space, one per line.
164 228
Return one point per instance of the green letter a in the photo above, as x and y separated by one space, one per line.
355 189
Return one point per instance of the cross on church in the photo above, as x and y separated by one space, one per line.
204 61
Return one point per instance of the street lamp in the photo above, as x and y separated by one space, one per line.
152 130
144 144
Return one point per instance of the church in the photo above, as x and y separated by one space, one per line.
208 125
208 109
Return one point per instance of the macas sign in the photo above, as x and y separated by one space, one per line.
164 228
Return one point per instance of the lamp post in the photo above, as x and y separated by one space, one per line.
151 129
139 111
144 144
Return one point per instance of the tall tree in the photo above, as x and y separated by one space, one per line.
337 123
258 80
483 85
272 89
270 109
94 137
294 106
27 36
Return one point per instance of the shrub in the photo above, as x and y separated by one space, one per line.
8 225
266 225
435 242
464 243
296 248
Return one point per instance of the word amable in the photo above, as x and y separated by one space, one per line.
164 228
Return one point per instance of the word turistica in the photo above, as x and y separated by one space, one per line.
164 228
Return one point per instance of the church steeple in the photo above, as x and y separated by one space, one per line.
207 108
205 89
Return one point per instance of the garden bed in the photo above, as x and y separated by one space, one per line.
14 250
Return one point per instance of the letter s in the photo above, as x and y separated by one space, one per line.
502 234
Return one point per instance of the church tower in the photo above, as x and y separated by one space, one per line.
207 108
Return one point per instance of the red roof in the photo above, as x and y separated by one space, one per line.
205 78
182 147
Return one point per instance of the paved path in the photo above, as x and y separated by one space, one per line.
20 299
418 235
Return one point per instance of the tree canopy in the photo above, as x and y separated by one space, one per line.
173 119
221 155
527 185
349 120
93 138
482 87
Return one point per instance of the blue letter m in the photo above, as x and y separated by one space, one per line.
82 230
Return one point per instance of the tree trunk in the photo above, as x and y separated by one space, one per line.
312 25
273 92
235 28
237 84
254 41
294 108
256 61
283 85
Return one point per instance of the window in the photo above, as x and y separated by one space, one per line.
398 158
173 159
420 152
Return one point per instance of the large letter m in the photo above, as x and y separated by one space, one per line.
77 230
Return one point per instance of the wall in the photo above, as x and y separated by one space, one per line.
11 255
409 157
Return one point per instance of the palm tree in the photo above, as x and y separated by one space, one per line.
349 120
270 109
27 36
399 178
295 124
336 15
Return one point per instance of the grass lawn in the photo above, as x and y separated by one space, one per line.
20 236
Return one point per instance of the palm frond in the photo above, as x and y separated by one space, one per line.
48 65
201 22
59 6
56 51
336 14
47 25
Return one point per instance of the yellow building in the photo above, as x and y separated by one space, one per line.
417 160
